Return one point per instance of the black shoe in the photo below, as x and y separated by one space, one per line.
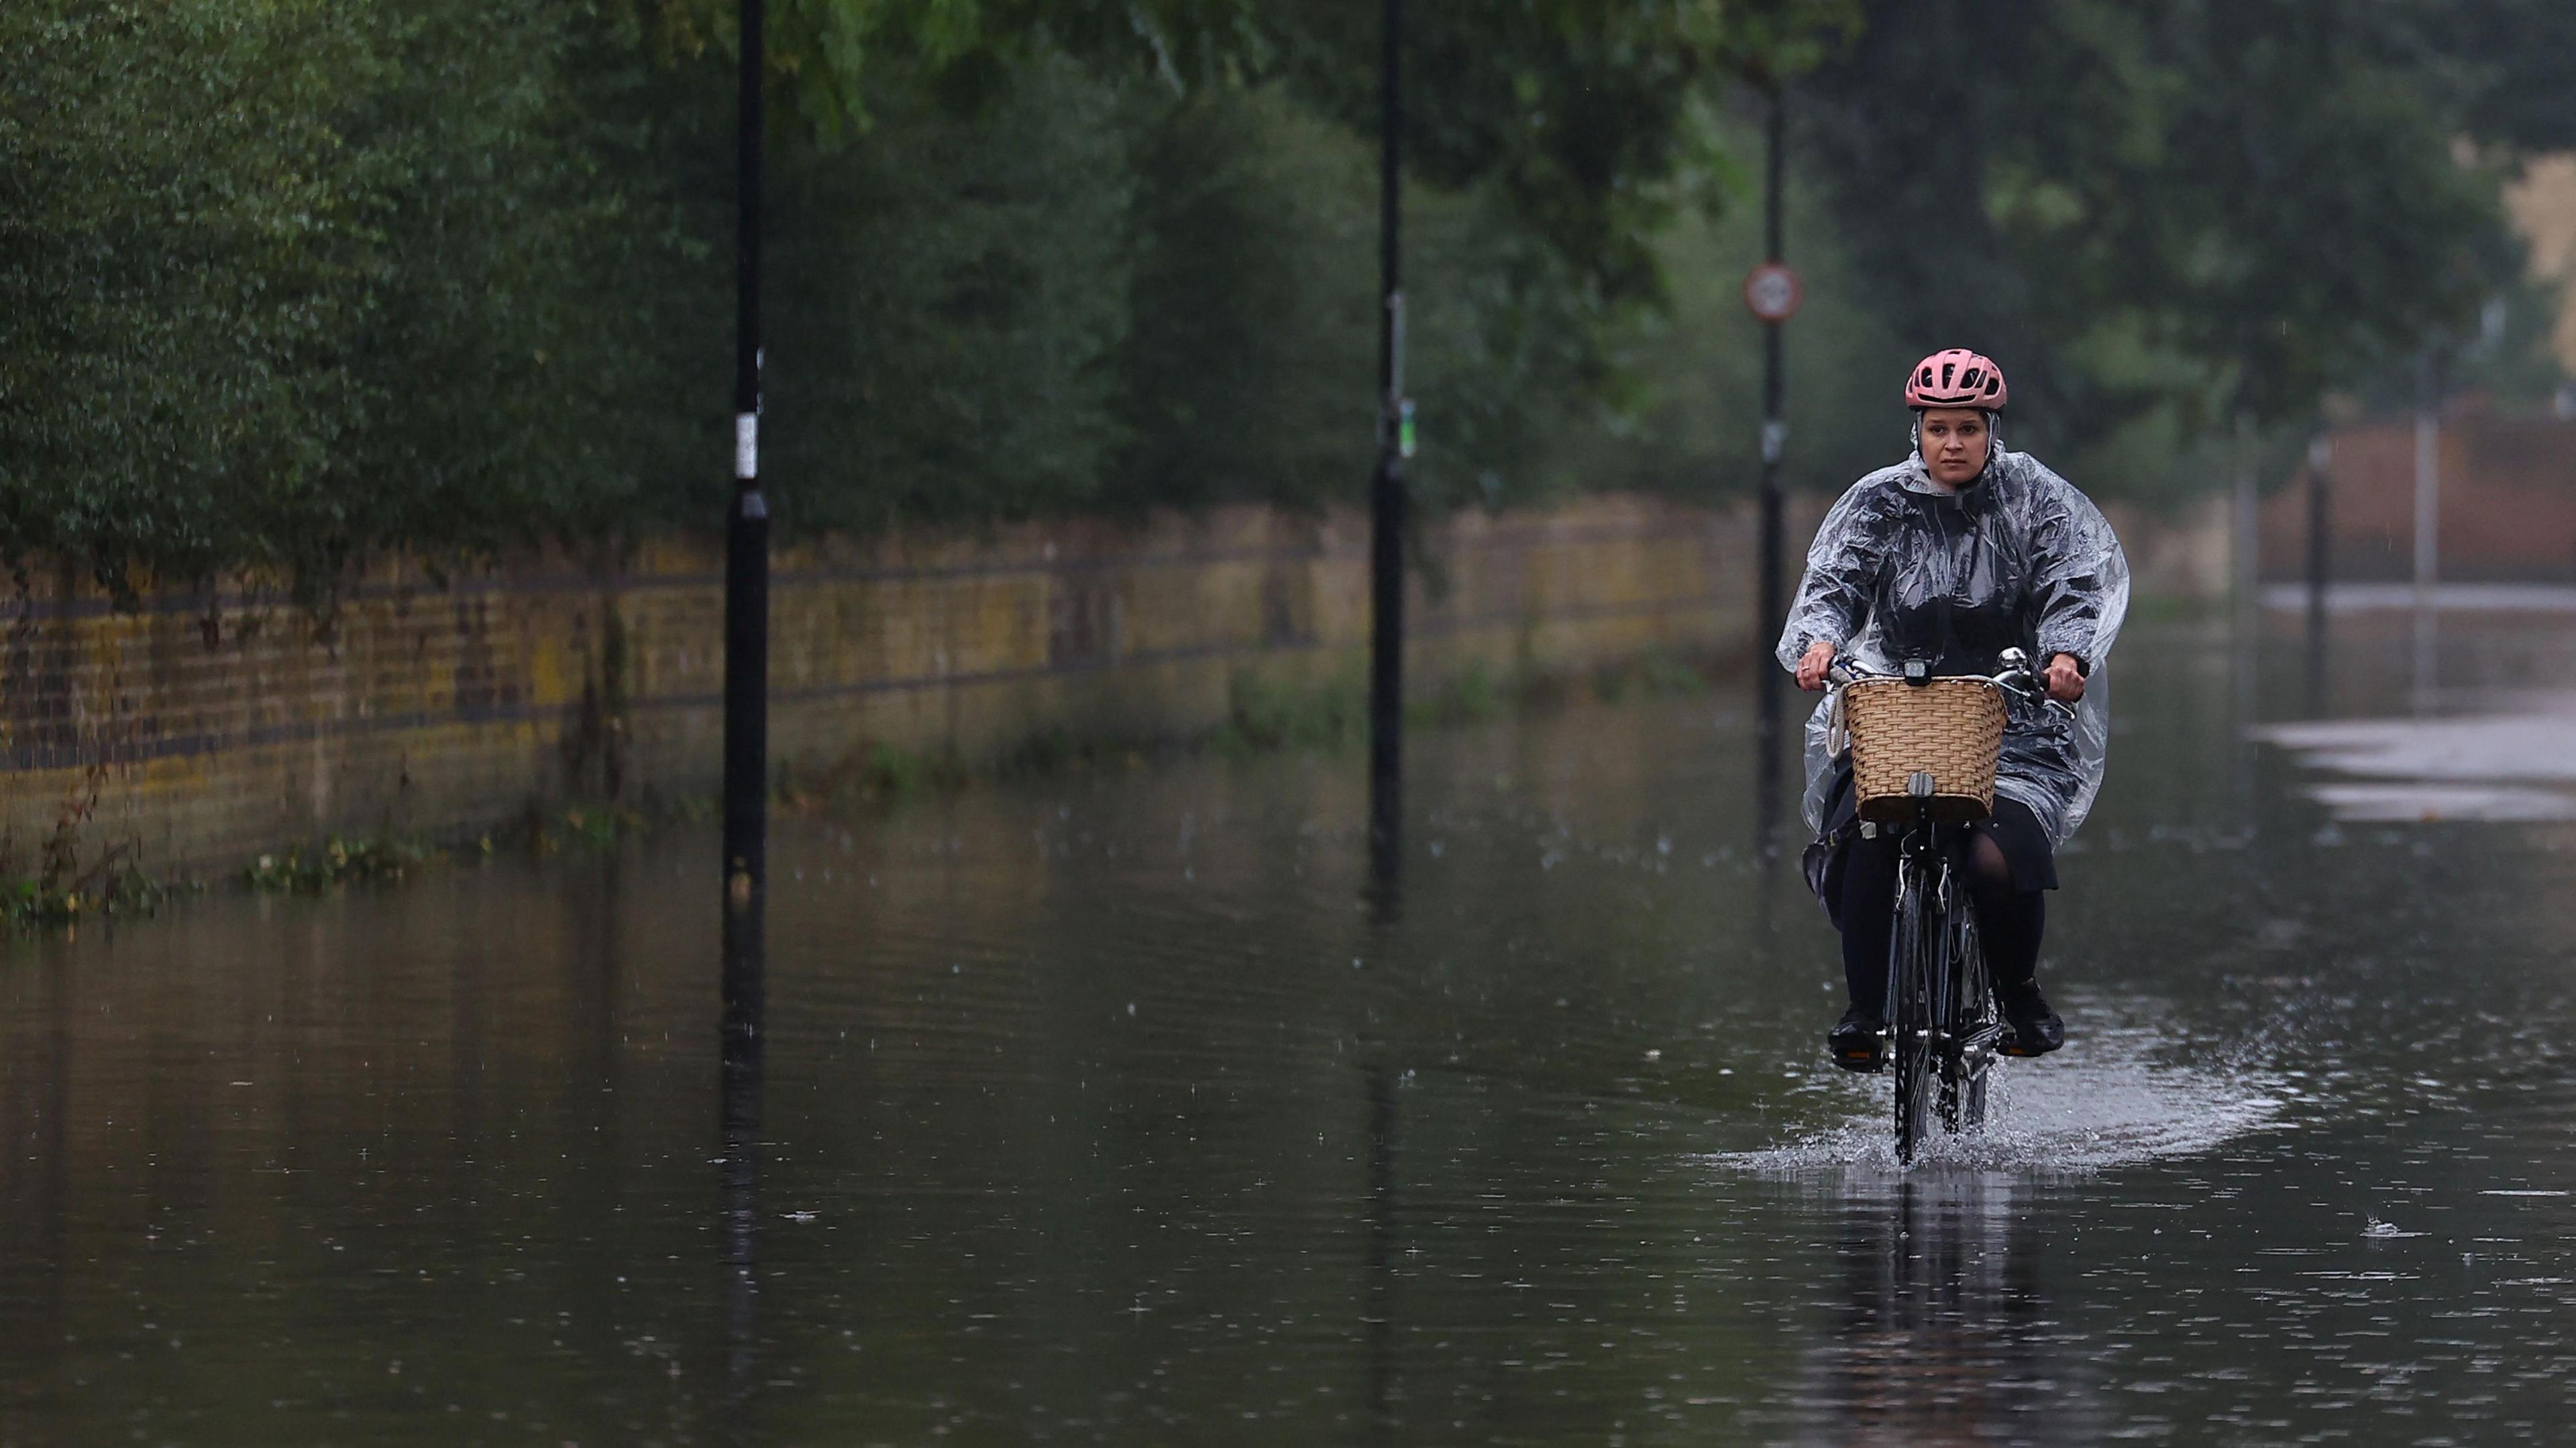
2036 1030
1857 1041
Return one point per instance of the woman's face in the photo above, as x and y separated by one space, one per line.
1955 442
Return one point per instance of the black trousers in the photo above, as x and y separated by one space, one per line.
2007 865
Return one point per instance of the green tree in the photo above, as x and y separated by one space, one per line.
1547 135
949 297
173 296
2182 210
283 282
1249 365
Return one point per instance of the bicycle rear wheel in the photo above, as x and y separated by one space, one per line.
1912 1019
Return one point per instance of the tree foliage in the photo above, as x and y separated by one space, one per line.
283 281
2180 209
290 280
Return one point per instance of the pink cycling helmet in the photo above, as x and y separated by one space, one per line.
1956 377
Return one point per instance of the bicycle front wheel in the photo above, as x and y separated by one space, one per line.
1912 1019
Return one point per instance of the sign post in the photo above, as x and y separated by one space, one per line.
1773 292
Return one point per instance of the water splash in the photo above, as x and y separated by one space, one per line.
2108 1100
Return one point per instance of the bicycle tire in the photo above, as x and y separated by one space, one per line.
1953 1010
1976 1011
1911 1020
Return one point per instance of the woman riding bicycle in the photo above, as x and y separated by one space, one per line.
1962 551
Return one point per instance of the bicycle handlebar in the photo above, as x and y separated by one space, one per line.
2016 679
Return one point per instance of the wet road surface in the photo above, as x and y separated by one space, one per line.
1101 1110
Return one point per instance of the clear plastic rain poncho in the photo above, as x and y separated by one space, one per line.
1903 568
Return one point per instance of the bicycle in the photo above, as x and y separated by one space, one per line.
1944 1029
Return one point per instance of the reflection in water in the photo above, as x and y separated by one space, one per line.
35 1191
1383 893
1379 1315
1777 831
1386 815
1938 1338
745 987
1385 904
1767 775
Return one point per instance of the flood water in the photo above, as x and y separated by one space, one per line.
1107 1110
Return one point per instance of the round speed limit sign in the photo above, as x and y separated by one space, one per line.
1772 292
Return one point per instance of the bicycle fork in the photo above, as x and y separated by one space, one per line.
1923 870
1915 858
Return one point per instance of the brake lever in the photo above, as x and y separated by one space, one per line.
2034 693
2027 687
2023 680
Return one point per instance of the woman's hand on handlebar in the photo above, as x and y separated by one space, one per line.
2065 680
1812 665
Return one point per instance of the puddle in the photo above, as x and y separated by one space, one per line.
2495 767
2435 803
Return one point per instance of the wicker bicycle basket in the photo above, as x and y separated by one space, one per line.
1926 748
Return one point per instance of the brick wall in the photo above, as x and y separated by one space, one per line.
2507 503
207 728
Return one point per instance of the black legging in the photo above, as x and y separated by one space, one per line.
2009 921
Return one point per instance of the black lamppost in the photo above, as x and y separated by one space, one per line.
1772 292
1775 435
746 756
746 682
1386 488
738 1109
2320 561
